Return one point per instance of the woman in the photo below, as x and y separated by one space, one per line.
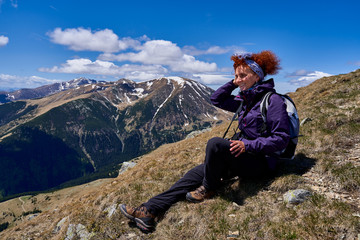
248 156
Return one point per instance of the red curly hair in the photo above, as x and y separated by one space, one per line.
267 60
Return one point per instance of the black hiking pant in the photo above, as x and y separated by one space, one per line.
219 164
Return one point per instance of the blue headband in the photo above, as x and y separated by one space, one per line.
253 65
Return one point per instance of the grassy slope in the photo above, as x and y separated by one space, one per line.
333 135
254 208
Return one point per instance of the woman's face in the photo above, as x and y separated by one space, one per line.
245 78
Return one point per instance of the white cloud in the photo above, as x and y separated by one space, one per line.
214 78
99 67
16 82
156 57
164 53
142 76
152 52
189 64
191 50
306 77
3 40
81 39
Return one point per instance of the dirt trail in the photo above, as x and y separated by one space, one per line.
22 204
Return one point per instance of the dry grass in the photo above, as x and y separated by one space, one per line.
253 208
332 104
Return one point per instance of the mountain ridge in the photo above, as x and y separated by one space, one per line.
99 126
43 91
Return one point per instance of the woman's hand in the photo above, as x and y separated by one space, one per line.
237 147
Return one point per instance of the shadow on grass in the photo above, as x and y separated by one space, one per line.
237 190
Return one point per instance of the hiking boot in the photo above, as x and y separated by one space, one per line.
141 216
199 195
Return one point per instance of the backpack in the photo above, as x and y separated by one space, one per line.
294 123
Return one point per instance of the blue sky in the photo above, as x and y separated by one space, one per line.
49 41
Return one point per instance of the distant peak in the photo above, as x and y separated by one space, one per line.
79 79
125 81
179 80
82 80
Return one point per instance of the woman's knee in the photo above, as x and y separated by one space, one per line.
217 143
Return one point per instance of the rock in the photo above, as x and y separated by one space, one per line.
111 210
32 216
83 233
235 205
59 225
130 235
233 235
296 196
79 231
125 166
181 222
305 120
195 133
70 233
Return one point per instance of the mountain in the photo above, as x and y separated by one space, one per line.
326 163
43 91
85 132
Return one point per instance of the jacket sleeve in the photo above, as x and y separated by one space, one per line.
223 99
277 137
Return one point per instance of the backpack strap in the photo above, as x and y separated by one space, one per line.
234 117
264 104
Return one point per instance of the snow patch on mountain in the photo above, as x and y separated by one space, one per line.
192 84
179 80
127 98
149 84
161 105
139 93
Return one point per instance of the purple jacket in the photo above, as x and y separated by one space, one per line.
277 135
